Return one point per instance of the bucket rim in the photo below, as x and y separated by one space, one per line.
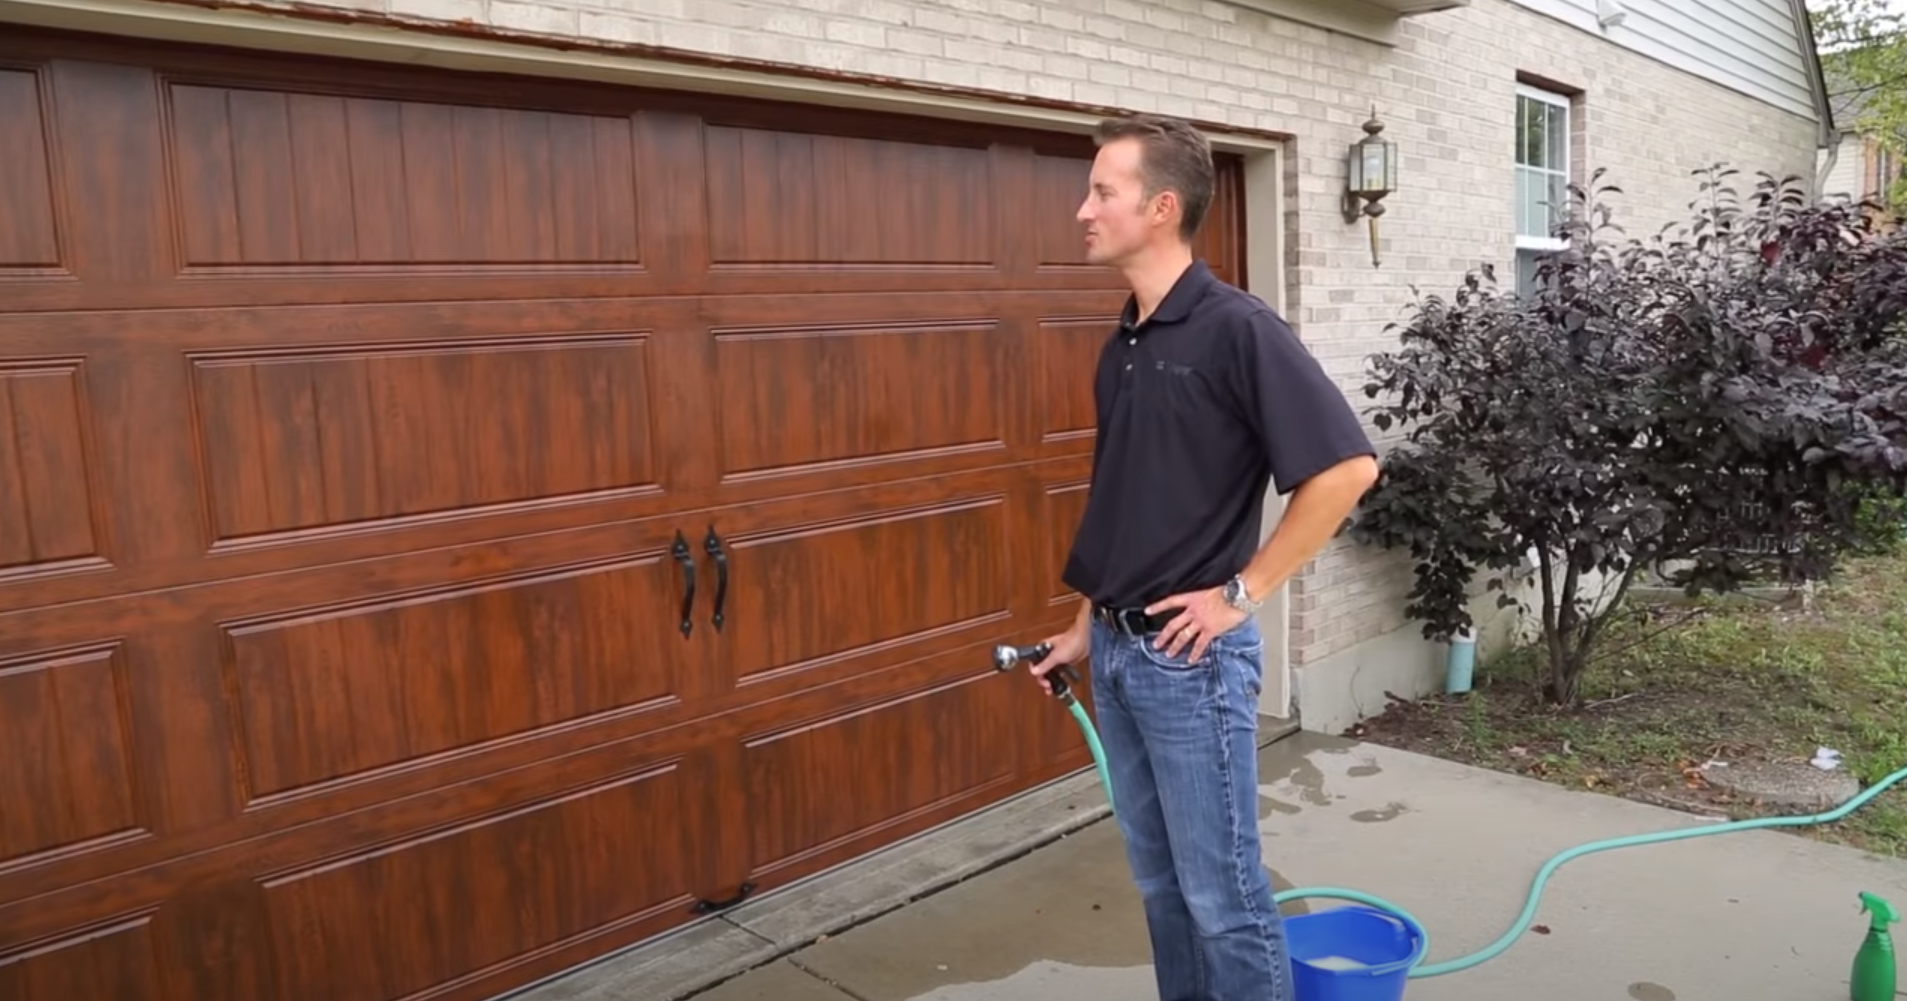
1419 947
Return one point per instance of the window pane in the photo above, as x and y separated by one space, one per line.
1526 129
1539 129
1556 158
1558 195
1523 201
1525 271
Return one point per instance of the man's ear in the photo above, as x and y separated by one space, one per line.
1165 206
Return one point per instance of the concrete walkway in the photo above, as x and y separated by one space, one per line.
1740 917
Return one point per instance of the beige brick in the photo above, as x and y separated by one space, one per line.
915 42
439 10
861 34
537 18
612 27
1016 10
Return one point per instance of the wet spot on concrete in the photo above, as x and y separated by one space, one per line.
1390 811
1646 991
1310 783
1268 806
1365 770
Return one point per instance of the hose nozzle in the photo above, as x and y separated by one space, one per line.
1007 657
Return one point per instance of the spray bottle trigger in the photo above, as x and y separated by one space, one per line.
1882 912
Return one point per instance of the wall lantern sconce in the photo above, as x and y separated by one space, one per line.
1373 170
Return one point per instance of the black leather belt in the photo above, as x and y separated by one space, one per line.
1132 621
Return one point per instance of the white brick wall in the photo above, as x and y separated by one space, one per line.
1446 93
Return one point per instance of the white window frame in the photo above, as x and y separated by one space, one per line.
1555 100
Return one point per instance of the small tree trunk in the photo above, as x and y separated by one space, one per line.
1566 678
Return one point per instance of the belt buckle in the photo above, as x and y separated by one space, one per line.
1125 621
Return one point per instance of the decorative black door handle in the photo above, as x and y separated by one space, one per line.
681 553
712 544
706 906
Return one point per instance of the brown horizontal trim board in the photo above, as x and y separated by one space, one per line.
452 526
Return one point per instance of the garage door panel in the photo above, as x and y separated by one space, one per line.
48 505
428 911
1060 185
792 814
281 178
116 961
343 441
103 119
327 437
1068 354
29 231
795 199
881 392
68 777
1064 505
208 885
323 695
814 594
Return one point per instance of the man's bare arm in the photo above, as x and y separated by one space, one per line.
1317 508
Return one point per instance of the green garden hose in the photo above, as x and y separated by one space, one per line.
1006 657
1523 920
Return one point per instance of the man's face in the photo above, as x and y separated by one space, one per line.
1119 220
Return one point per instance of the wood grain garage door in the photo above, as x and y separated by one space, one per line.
361 435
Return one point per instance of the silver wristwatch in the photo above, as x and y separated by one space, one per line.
1239 598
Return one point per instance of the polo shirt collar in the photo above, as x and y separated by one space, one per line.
1177 304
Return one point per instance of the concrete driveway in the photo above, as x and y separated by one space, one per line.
1740 917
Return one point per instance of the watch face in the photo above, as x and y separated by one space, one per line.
1234 591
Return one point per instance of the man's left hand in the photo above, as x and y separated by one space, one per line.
1206 614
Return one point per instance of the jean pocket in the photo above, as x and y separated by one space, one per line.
1241 642
1181 661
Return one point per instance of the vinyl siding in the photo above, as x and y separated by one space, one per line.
1755 47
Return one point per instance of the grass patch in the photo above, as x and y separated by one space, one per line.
1677 688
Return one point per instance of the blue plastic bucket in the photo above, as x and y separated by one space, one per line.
1351 953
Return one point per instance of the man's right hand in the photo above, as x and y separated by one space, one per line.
1069 647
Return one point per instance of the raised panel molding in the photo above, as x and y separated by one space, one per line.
67 780
46 493
29 231
880 392
327 694
280 179
322 438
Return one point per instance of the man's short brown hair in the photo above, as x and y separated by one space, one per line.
1175 157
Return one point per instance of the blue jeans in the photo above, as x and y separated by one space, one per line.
1182 756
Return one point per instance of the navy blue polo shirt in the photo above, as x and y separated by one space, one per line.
1200 409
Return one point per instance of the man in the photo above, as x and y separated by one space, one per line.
1203 395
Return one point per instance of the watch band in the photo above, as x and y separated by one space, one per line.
1239 597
